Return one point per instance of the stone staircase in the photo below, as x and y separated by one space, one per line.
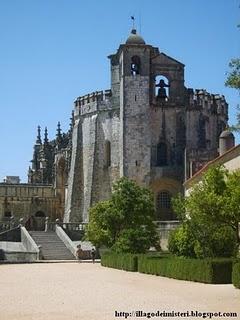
52 246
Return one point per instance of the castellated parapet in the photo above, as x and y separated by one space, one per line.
213 103
93 102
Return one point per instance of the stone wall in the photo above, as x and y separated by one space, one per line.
74 204
90 179
136 147
25 200
164 228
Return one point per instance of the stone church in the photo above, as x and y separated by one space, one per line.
148 127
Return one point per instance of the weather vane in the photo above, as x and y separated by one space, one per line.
133 22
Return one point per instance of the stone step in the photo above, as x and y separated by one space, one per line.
44 236
52 246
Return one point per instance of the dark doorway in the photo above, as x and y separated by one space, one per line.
36 222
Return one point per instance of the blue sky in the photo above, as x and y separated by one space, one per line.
52 51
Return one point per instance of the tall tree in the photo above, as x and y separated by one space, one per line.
233 78
125 222
210 215
233 81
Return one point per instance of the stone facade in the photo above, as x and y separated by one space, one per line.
157 134
148 126
44 194
31 202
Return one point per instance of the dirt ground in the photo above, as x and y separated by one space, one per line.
66 291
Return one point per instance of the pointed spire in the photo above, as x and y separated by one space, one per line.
72 122
59 135
39 140
46 136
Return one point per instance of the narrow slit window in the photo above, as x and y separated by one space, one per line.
107 153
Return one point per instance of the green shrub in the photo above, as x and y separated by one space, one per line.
236 275
218 241
201 270
181 241
199 241
135 241
128 262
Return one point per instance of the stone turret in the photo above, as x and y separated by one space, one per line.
226 141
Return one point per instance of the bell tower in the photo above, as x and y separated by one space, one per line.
131 87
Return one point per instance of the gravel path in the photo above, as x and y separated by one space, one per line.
66 291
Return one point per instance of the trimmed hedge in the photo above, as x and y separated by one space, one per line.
236 275
201 270
217 271
128 262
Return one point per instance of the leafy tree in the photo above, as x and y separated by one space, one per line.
218 241
233 79
211 214
125 222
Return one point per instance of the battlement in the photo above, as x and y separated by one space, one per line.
214 102
26 190
93 97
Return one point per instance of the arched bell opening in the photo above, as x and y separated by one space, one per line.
161 88
135 65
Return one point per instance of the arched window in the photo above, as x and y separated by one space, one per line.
135 65
161 154
161 88
163 206
163 200
107 153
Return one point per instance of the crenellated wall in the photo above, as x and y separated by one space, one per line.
90 98
206 118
